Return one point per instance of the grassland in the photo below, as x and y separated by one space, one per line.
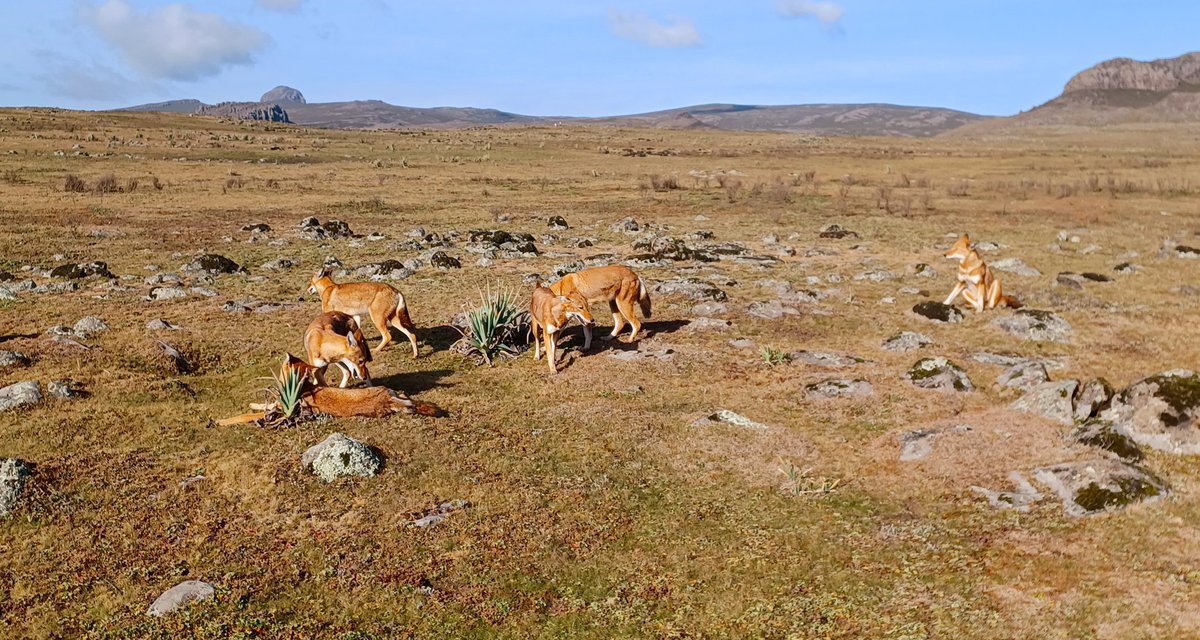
597 509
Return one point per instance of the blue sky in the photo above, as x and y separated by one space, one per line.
566 57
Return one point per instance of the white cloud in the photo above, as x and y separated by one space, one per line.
85 79
640 27
176 41
280 5
828 13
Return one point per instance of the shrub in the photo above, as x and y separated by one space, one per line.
75 184
106 184
664 183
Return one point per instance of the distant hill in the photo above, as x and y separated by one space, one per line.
1117 91
828 119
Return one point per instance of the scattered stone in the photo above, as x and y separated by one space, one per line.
335 229
1052 400
741 343
988 247
772 310
167 293
625 225
690 288
778 287
212 264
1184 251
1015 266
1019 500
179 596
256 306
1091 398
82 270
66 389
1102 434
1024 375
836 232
906 341
875 276
708 324
1010 360
1070 280
940 374
915 445
557 222
922 270
13 360
1095 486
159 324
180 362
1091 276
442 261
1161 411
1035 324
938 312
281 263
13 473
257 227
643 354
21 394
839 388
1127 268
89 326
439 514
339 456
728 417
392 269
820 359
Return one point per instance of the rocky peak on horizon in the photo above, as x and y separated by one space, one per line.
1167 74
283 94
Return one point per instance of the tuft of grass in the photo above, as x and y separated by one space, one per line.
75 184
802 482
772 356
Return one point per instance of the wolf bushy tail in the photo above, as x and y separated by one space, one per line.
643 299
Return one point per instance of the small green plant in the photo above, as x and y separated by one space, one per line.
495 328
801 482
288 387
772 356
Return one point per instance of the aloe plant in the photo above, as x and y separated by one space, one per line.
288 387
494 328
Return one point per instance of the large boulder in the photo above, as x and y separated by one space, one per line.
1052 400
1094 486
340 455
1161 411
13 473
179 596
21 394
1035 324
940 374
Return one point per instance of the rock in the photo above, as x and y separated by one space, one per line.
940 374
777 287
180 596
257 227
1184 251
1019 500
838 388
1034 324
340 455
1127 268
728 417
1069 280
13 360
741 343
643 354
625 225
1012 360
21 394
1095 486
710 309
13 474
212 264
1102 434
388 267
692 288
158 324
66 389
906 341
821 359
176 358
1015 266
82 270
1091 276
1052 400
1161 411
915 445
335 229
922 270
708 324
938 312
988 246
875 276
1091 398
1023 375
281 263
557 222
439 514
442 261
837 232
167 293
89 326
771 310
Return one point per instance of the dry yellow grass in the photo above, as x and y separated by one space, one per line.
597 509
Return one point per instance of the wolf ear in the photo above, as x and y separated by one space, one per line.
350 340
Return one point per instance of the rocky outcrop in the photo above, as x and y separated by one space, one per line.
246 111
1094 486
283 95
1161 411
1166 74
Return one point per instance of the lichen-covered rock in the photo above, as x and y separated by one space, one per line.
13 360
280 263
440 260
1020 500
1095 486
728 417
838 388
167 293
212 264
940 374
21 394
257 227
822 359
922 270
771 309
916 445
82 270
1103 435
1161 411
1023 375
13 473
1015 266
1092 397
336 229
938 312
1053 400
626 225
692 288
906 341
704 323
340 455
1035 324
89 326
66 389
557 222
179 596
836 232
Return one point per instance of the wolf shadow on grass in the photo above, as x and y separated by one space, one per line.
414 382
